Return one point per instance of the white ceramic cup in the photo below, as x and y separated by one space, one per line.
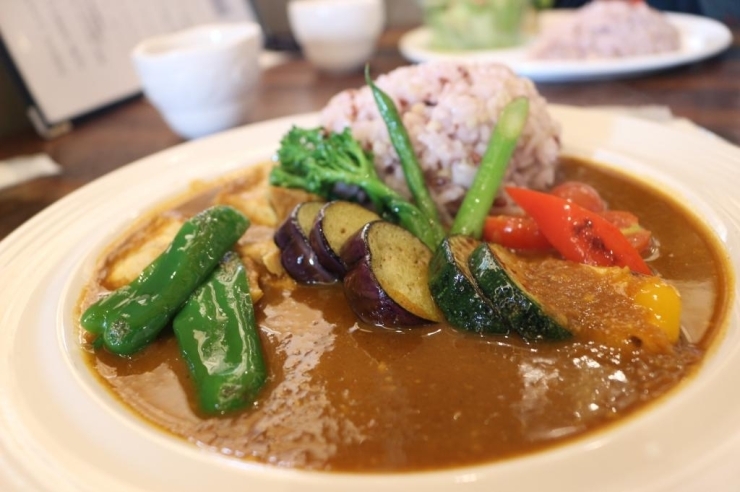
337 35
201 79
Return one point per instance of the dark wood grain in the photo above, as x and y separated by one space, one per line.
708 93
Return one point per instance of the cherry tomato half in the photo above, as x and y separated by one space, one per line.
629 224
581 194
516 232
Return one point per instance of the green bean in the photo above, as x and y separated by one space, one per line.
411 169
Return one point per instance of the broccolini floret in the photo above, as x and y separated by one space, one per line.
323 162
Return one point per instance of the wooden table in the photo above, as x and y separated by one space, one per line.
707 93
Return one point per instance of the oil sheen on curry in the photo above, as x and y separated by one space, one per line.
344 395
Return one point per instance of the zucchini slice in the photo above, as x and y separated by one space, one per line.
455 291
494 273
550 298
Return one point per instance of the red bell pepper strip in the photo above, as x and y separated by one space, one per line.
578 234
522 232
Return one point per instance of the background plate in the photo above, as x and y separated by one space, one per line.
700 38
61 431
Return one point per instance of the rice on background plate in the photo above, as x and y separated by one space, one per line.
608 29
449 110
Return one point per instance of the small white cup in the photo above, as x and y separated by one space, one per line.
337 35
201 79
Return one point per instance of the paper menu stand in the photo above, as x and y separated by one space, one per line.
72 58
273 17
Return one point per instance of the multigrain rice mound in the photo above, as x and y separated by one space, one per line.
607 30
449 110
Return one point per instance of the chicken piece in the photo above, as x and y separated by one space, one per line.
284 200
248 194
255 290
259 246
140 249
272 261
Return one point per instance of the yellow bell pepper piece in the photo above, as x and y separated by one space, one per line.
663 301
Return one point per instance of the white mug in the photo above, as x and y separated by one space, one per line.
201 79
337 35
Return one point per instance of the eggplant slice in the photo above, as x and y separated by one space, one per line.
387 282
296 254
335 223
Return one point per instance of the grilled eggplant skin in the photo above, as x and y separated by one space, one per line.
520 308
296 254
456 293
334 224
364 290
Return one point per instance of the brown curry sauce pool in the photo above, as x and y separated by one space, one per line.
344 396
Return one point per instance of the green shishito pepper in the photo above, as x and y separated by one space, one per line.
219 340
131 317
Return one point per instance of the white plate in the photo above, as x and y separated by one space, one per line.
700 38
61 431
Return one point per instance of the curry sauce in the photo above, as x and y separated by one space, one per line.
345 396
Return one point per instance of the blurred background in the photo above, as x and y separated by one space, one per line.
399 13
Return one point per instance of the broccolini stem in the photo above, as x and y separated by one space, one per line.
479 199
